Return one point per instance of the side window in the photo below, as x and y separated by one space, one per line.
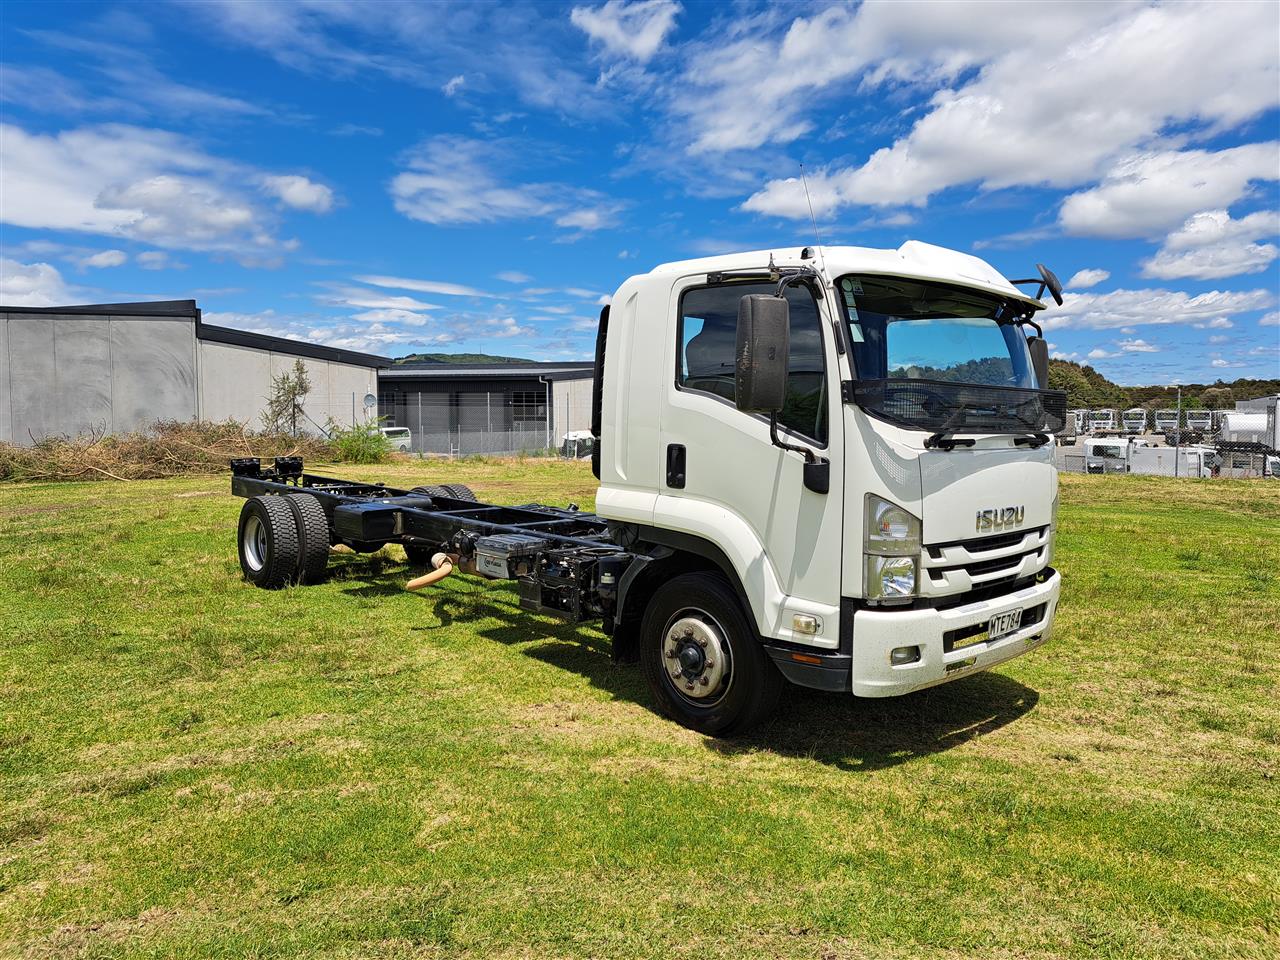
708 337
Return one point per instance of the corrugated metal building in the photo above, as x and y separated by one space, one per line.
486 408
118 367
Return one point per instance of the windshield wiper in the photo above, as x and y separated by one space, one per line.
943 440
1033 441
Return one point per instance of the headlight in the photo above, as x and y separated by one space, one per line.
891 578
890 530
891 550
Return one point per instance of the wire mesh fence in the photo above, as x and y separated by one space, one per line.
480 422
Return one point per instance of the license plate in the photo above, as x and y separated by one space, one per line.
1004 623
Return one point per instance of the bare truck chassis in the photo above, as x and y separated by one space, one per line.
563 560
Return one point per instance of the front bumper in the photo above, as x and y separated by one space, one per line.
877 632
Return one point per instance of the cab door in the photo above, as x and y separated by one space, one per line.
720 477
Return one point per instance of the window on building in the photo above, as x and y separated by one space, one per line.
528 406
708 337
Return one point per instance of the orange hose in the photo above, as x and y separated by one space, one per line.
443 564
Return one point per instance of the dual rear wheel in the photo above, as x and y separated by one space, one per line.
283 539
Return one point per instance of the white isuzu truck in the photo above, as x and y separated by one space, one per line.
831 466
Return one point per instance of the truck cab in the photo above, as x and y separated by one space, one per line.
851 446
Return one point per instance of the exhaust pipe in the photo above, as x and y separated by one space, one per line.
443 565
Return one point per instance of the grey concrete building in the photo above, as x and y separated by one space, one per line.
486 408
119 367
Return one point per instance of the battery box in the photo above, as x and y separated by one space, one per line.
506 555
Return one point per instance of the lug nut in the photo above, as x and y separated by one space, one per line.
688 631
709 664
705 682
689 686
671 652
702 641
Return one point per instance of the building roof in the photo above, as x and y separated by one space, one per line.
299 348
146 308
187 309
487 371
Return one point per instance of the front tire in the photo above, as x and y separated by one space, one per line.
702 658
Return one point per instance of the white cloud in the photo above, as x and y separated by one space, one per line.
131 182
1148 193
505 327
106 258
453 85
1137 346
1084 279
1211 245
372 300
1219 338
1097 353
1217 323
1124 308
1040 107
520 47
158 260
373 336
1271 319
127 84
452 180
1219 362
299 192
635 30
32 285
407 317
355 130
514 276
423 286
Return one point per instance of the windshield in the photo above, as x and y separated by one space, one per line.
928 356
914 330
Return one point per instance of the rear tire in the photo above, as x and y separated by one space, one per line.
460 491
720 687
268 541
431 491
313 536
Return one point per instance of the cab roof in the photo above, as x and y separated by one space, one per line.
914 259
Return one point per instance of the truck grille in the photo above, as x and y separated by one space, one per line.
960 567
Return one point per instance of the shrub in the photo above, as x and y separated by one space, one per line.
359 443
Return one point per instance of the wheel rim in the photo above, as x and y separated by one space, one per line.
254 543
696 661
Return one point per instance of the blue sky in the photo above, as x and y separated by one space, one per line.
398 177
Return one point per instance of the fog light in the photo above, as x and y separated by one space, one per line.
901 655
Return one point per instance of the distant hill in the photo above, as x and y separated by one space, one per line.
459 358
1086 387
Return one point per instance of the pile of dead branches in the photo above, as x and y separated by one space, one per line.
168 448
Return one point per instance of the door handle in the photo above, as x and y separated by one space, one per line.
675 465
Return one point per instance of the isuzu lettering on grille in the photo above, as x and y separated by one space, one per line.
1005 518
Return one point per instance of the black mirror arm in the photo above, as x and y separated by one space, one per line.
782 444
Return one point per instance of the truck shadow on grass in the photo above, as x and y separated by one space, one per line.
836 729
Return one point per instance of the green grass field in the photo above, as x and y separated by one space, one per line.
193 767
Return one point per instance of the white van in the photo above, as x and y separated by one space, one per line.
398 438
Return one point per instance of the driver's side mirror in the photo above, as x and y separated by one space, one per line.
764 341
1039 348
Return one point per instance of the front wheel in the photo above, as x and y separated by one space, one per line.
702 658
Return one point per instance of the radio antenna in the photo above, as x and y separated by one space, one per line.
812 219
